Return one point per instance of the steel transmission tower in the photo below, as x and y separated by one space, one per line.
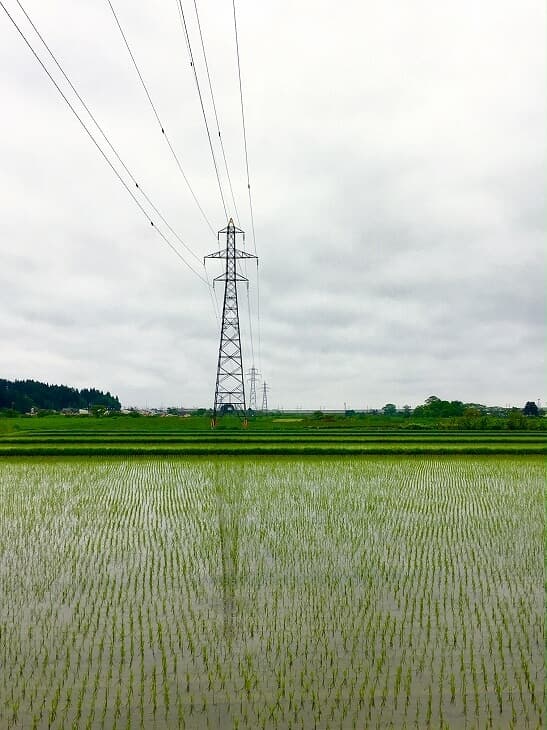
253 374
264 396
230 387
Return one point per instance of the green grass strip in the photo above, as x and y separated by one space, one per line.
267 450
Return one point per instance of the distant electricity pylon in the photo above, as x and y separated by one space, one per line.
253 374
230 387
265 396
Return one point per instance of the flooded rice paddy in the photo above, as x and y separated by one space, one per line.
376 592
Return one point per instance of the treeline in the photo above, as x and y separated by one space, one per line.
22 396
475 416
440 414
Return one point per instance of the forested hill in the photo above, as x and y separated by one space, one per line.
23 395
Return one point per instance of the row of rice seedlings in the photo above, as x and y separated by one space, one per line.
281 593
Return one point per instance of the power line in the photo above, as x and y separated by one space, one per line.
212 295
250 326
215 113
192 64
244 127
247 171
161 125
105 136
99 148
258 316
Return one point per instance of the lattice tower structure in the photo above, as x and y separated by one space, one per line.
230 385
264 396
253 377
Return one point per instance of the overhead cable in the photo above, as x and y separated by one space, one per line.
99 148
258 318
244 128
105 137
161 125
247 170
192 64
250 327
216 114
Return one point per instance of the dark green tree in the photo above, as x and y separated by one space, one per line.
530 409
436 408
23 395
516 420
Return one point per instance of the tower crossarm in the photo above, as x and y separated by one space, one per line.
234 277
237 254
231 228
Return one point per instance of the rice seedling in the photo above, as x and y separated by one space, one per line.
212 593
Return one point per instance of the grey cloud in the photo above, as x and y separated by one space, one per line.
397 158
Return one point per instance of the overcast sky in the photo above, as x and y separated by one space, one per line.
397 163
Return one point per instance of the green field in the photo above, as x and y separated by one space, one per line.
223 592
58 435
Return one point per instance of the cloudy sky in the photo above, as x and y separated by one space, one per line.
397 163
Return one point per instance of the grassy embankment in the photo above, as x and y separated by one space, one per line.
273 435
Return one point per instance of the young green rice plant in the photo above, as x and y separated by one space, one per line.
336 566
